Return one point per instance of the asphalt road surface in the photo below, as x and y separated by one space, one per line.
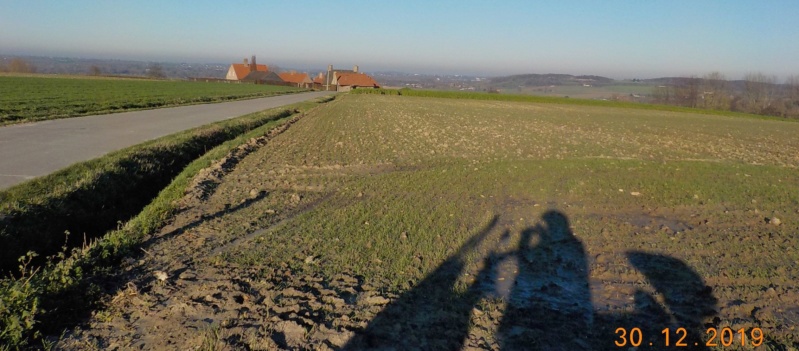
35 149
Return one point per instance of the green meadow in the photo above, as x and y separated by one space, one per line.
34 97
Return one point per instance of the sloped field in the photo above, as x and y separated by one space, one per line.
390 221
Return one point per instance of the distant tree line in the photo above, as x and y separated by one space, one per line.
757 93
18 65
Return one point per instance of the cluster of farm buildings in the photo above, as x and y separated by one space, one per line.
333 79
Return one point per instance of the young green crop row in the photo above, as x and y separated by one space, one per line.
31 98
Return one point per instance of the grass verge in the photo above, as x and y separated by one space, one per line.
46 297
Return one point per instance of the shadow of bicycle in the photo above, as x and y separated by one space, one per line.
544 283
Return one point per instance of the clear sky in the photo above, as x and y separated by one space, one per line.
619 39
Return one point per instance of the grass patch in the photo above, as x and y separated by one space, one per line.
35 98
52 295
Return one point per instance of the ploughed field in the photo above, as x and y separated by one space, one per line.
32 98
405 222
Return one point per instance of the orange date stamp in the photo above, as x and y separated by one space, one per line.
679 338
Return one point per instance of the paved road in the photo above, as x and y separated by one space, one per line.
36 149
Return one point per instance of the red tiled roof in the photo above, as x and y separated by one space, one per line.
243 69
319 80
356 79
294 77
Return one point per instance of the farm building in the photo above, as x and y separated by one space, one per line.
238 71
261 77
320 81
301 80
349 81
343 80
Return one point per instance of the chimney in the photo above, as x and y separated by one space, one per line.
253 67
321 75
245 61
355 69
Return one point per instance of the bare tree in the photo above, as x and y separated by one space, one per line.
19 65
715 94
156 71
792 94
95 70
663 94
686 91
792 87
759 91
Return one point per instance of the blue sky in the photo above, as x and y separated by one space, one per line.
619 39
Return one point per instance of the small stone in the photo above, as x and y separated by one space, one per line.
186 275
404 236
635 193
161 275
775 221
254 193
310 259
295 198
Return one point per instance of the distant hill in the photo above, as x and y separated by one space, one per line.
537 80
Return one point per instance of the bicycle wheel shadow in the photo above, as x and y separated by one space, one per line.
684 302
432 315
545 284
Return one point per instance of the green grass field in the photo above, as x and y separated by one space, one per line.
447 223
395 185
33 98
